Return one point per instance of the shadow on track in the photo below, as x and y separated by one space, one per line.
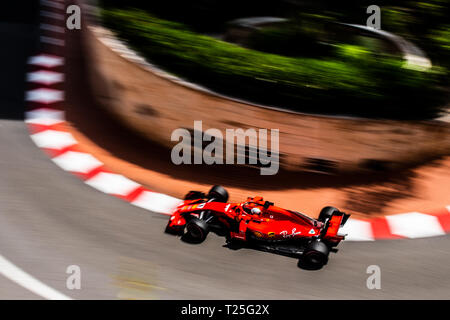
302 264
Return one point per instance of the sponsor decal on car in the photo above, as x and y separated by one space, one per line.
285 234
258 234
271 234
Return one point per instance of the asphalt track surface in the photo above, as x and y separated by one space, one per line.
50 220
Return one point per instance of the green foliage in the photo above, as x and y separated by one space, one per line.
353 52
424 23
303 35
355 83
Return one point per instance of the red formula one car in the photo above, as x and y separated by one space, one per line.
258 224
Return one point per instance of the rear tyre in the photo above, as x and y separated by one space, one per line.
327 213
196 231
218 193
316 254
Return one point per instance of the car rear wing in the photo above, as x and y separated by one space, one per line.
345 218
333 224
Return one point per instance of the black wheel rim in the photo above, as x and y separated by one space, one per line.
315 258
195 232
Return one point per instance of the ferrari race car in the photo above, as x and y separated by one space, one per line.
258 224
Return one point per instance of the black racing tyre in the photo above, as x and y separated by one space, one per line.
218 193
196 231
316 254
326 213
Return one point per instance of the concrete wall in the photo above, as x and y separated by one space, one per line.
154 104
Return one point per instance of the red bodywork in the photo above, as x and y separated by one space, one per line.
274 223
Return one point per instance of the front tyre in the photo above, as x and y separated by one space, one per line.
218 193
196 231
316 254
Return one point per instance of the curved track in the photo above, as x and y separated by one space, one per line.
50 220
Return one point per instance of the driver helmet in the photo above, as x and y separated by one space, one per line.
256 211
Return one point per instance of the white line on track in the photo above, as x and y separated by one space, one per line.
17 275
